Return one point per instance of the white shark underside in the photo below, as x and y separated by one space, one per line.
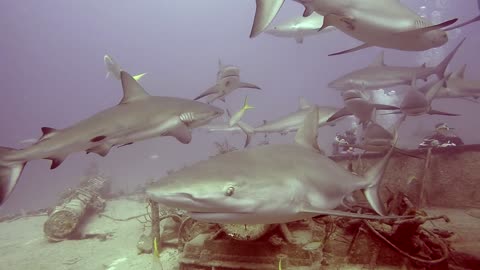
137 117
268 184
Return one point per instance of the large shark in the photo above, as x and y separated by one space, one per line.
269 184
387 23
300 27
290 122
358 104
137 117
113 69
228 80
378 75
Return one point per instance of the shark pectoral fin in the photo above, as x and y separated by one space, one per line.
339 114
307 134
398 112
476 19
248 85
308 11
125 144
421 31
358 48
101 150
330 19
299 40
435 112
385 107
182 133
209 91
56 161
313 210
265 12
47 132
132 90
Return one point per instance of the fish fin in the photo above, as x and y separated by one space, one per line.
125 144
47 132
460 74
265 12
247 106
358 48
442 67
9 174
420 31
209 91
307 134
303 104
338 213
139 76
476 19
56 161
379 61
374 178
339 114
101 150
432 92
435 112
98 138
246 128
385 107
299 40
220 64
329 19
307 11
132 90
248 85
182 133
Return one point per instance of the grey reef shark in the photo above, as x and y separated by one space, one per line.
386 23
138 116
270 184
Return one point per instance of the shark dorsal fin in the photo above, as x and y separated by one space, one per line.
47 132
132 90
379 61
460 73
303 104
308 132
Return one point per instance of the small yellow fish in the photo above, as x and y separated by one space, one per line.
156 253
238 115
280 264
139 76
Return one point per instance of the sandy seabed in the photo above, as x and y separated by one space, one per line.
24 246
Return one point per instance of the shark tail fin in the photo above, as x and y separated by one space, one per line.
442 67
247 106
9 174
374 178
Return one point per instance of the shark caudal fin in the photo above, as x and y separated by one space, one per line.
374 178
9 174
442 67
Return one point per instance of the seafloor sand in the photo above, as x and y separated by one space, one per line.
23 245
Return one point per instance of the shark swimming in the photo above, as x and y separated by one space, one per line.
138 116
386 24
288 123
378 75
269 184
300 27
358 104
113 69
228 80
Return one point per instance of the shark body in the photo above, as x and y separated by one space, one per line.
137 117
268 184
378 75
228 80
299 28
387 24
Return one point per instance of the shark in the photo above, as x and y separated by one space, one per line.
358 104
113 69
378 75
288 123
138 116
270 184
228 80
416 103
300 27
386 24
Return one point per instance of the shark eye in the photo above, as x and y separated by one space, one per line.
229 192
